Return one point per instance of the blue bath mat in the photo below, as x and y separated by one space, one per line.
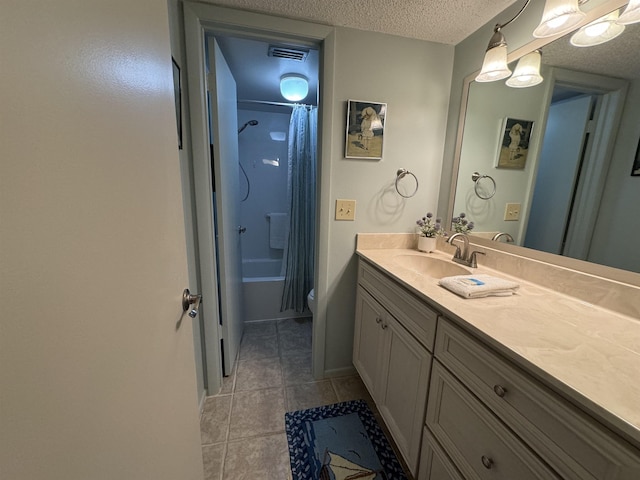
339 441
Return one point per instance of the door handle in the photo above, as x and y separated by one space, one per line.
190 299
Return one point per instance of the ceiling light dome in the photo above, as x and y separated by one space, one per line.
494 66
527 72
599 31
294 87
559 17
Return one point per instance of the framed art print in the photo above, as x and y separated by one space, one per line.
365 129
514 143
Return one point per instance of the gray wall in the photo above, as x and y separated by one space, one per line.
413 77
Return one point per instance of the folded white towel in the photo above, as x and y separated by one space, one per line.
277 229
477 286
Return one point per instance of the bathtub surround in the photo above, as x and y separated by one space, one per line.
278 230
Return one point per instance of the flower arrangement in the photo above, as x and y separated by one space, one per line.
460 224
428 227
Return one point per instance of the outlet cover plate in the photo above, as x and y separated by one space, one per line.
512 212
345 209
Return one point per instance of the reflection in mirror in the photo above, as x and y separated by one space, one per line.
561 154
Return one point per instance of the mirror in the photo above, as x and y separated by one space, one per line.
561 154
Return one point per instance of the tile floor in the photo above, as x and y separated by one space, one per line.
242 427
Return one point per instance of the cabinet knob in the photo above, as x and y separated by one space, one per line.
499 390
384 326
378 320
487 462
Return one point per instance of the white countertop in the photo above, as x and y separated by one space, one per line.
589 354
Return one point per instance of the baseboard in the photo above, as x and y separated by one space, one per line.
340 372
290 317
203 398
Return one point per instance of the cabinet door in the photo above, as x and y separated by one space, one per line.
434 463
403 389
368 340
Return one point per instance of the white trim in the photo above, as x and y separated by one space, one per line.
340 372
199 17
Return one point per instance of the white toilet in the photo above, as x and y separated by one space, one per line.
311 300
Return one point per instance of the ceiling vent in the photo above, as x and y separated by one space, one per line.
289 53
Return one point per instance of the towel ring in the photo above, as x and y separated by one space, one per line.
400 174
476 177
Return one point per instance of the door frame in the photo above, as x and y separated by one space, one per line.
597 159
198 20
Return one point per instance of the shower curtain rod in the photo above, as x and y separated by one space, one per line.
278 104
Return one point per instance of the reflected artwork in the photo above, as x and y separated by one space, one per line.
514 143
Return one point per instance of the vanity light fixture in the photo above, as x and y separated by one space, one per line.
527 72
294 87
631 14
494 66
559 17
599 31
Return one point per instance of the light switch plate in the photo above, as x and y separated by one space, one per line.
512 212
345 209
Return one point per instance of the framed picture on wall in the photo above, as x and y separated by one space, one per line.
635 170
365 129
177 92
513 148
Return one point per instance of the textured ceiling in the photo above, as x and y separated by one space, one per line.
616 58
442 21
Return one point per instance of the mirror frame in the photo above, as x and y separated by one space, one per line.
616 274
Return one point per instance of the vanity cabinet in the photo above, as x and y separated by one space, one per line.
392 357
488 415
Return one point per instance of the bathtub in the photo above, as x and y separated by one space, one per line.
262 288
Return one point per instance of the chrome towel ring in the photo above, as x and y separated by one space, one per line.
477 177
400 174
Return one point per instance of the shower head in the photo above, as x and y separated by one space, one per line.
251 123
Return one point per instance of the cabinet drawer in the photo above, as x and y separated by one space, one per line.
478 443
414 315
434 463
571 442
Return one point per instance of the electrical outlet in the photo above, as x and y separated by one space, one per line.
345 209
512 212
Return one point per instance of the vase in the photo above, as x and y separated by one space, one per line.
427 244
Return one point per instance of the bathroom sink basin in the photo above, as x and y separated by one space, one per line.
430 266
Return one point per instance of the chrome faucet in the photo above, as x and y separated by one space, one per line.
507 237
463 257
459 255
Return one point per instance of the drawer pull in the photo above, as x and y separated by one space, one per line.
487 462
500 390
378 320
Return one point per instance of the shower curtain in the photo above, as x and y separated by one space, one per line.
299 252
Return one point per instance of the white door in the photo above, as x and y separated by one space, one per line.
560 159
97 377
224 130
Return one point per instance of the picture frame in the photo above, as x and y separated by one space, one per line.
635 169
513 145
365 129
177 93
